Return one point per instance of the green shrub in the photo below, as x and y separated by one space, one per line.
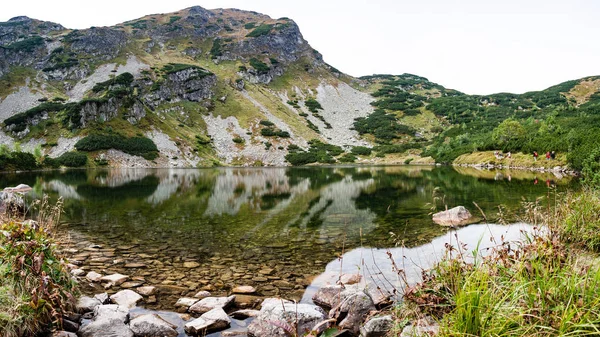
268 132
313 105
18 161
408 160
238 140
174 18
124 79
137 146
260 67
72 159
361 150
347 158
27 45
263 29
266 123
250 25
217 49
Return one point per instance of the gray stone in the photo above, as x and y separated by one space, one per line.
93 276
377 326
87 304
103 298
350 278
108 321
456 216
209 303
202 294
126 298
354 308
77 272
215 319
152 325
287 315
63 334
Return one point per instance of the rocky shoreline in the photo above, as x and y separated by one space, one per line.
489 166
352 306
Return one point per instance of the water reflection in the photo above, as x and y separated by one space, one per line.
235 222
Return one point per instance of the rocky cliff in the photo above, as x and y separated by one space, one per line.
208 87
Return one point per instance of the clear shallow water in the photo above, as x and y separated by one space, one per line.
278 229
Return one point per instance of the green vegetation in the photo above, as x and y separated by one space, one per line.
174 18
27 45
20 120
266 123
318 152
172 68
137 146
17 160
361 150
270 132
313 105
259 66
36 288
250 25
124 79
546 285
263 29
72 159
217 49
238 140
384 126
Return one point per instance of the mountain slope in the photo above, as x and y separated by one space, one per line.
206 86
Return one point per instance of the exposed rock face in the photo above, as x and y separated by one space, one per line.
456 216
277 318
101 43
193 84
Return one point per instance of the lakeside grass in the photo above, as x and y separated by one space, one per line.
36 288
545 285
518 160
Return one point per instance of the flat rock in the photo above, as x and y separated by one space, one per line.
63 334
244 290
93 276
456 216
234 332
135 265
116 279
146 291
186 302
243 314
131 284
209 303
215 319
377 326
87 304
152 325
126 298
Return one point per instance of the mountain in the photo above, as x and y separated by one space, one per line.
203 87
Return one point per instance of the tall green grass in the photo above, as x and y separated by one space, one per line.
546 285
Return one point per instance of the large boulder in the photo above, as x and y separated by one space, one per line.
152 325
215 319
349 305
283 318
209 303
108 321
457 216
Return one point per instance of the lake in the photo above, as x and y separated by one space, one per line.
285 231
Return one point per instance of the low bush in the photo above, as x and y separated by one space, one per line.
263 29
72 159
137 146
259 66
361 150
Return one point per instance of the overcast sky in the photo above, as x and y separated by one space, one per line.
475 46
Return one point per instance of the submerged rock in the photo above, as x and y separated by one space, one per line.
456 216
115 279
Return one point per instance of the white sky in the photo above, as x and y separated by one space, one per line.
475 46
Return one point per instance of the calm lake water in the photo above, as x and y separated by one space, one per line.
281 230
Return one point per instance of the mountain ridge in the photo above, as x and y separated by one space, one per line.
232 87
